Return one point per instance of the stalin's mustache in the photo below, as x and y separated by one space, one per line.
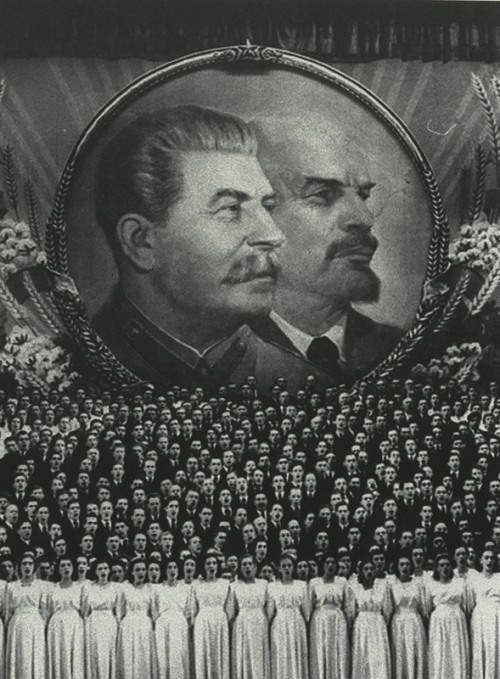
252 267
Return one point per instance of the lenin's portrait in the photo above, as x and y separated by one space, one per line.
249 223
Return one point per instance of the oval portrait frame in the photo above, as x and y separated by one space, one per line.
69 302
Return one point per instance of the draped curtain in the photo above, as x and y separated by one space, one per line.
331 30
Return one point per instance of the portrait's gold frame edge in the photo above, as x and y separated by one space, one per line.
69 302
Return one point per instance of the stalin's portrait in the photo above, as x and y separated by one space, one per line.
185 207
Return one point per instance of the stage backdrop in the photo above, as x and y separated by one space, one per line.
48 102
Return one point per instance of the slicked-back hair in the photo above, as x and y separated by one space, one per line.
140 169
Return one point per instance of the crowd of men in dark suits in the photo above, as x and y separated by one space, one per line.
392 466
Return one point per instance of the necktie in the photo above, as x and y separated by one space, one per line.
324 353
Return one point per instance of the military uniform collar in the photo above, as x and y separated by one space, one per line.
141 323
157 356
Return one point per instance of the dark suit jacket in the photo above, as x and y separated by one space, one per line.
367 343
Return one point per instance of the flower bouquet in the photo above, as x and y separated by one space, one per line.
32 336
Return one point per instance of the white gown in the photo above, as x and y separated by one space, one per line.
101 629
289 657
329 650
65 633
408 641
136 650
485 626
211 632
25 654
449 653
172 604
371 658
250 637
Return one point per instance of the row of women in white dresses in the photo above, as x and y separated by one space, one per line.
119 631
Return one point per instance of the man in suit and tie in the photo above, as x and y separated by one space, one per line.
150 477
41 526
216 473
171 521
340 527
118 487
260 506
205 529
440 505
311 497
296 476
278 493
10 522
294 509
207 497
20 485
274 524
224 511
110 550
72 527
408 507
105 525
318 170
409 463
139 546
190 506
260 429
343 440
471 513
24 541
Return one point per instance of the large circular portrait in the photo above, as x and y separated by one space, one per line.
245 212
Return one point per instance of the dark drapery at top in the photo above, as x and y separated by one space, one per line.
331 30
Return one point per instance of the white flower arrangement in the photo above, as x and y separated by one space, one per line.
458 362
18 250
478 246
21 254
36 360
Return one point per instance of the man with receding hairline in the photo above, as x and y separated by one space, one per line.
317 167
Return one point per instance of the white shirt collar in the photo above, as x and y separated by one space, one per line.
301 340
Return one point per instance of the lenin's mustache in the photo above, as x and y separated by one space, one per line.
252 267
365 244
